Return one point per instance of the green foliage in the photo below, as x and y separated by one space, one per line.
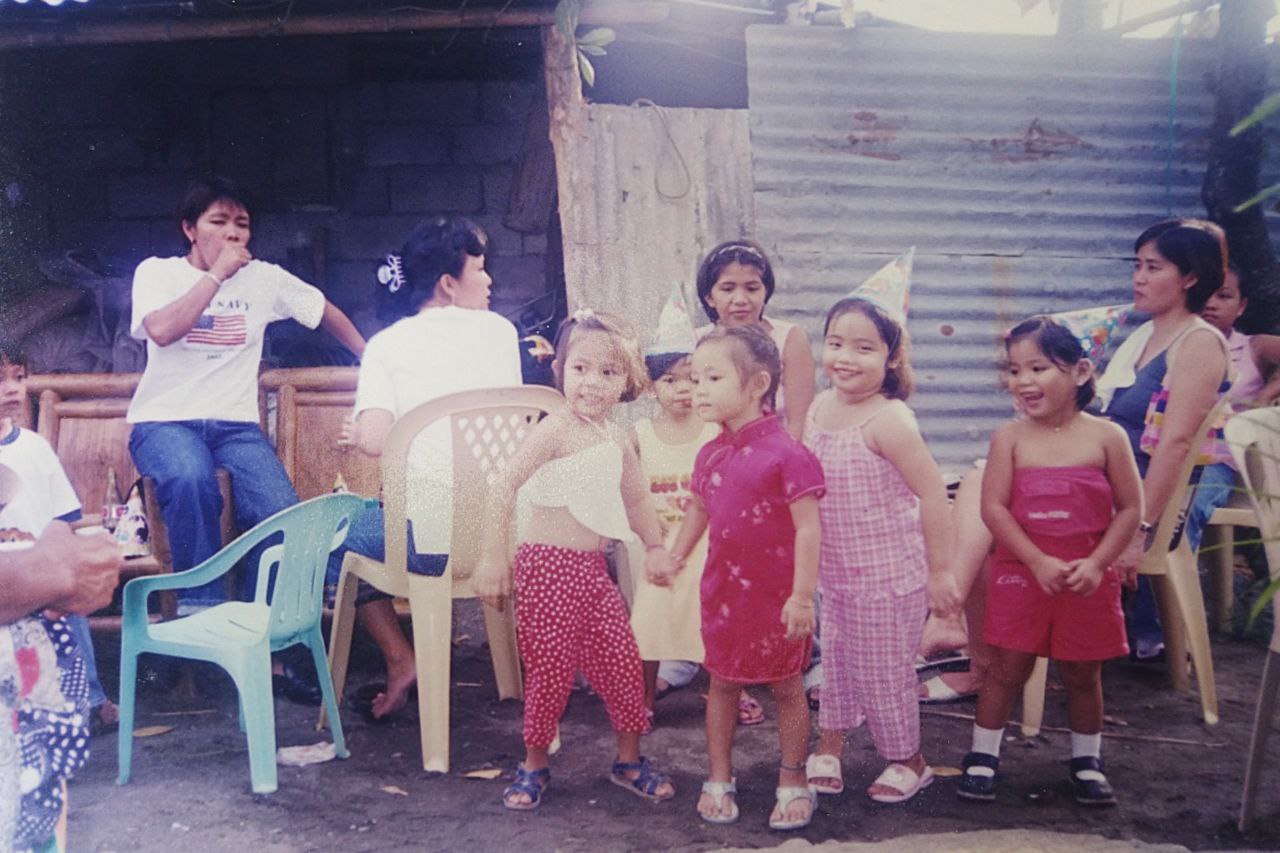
1270 106
589 44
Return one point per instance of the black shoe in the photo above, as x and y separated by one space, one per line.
1091 792
974 786
299 688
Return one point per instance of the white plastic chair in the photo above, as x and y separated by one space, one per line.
487 427
1254 437
1176 580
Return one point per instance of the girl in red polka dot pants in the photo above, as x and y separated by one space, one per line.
582 484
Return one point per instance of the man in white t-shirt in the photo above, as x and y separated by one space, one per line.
203 316
450 342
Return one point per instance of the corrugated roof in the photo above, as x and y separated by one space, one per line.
1020 167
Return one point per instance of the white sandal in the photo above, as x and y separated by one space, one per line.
823 766
718 791
788 795
902 779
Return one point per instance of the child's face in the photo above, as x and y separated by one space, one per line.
720 393
855 357
221 223
594 374
1225 305
738 295
674 389
13 387
1042 389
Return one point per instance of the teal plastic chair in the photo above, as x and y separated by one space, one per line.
240 636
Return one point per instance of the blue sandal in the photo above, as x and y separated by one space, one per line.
530 783
645 784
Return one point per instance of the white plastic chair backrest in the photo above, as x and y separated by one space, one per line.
291 573
1254 438
1154 561
487 427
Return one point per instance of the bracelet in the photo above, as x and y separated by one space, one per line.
803 601
214 278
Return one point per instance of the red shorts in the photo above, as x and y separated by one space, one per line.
1024 618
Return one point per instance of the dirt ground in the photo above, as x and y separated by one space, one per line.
1178 780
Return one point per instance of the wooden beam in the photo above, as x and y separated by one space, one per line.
609 13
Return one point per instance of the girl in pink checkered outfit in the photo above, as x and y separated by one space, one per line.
1062 498
885 533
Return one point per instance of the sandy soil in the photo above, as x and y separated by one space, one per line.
190 786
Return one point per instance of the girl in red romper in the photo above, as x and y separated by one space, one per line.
1062 497
757 489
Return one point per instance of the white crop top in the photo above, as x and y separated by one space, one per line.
589 485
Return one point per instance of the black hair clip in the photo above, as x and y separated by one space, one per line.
391 273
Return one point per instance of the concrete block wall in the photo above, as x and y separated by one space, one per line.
342 168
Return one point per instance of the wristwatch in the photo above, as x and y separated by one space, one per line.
1145 527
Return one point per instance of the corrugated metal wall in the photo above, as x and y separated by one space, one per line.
655 189
1021 168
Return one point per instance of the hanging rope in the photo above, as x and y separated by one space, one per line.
684 165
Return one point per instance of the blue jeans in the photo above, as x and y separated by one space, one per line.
367 537
79 626
181 457
1217 482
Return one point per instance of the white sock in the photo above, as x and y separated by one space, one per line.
986 741
1086 745
1091 746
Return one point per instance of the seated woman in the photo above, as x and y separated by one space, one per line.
1179 265
203 316
447 341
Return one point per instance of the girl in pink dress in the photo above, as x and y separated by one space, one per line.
758 490
886 530
1062 497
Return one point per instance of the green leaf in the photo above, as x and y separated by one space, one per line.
587 70
591 49
599 37
567 17
1269 106
1269 192
1265 596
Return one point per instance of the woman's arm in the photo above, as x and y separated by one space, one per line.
340 326
370 430
168 324
1194 377
61 571
797 380
1266 354
491 579
897 438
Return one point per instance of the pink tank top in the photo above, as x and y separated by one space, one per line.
1249 380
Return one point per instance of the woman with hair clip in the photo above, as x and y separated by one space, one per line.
446 341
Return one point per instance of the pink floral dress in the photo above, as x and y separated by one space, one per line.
747 480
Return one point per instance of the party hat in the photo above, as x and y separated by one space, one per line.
1095 327
675 329
890 287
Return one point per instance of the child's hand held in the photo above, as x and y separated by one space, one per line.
1084 576
1051 574
491 583
659 566
943 593
798 617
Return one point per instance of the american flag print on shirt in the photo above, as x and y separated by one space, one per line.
226 330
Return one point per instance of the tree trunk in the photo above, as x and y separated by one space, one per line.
1235 163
